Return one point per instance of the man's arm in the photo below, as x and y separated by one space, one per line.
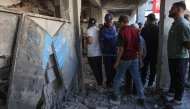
186 35
140 54
187 44
120 52
101 38
120 44
89 39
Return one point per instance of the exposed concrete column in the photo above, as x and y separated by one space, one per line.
141 13
132 19
97 13
57 8
74 11
163 77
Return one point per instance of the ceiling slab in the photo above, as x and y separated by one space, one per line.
118 12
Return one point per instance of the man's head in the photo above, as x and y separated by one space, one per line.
187 17
140 25
123 20
91 22
109 19
151 18
177 9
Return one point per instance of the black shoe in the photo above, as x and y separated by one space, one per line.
114 97
142 102
110 85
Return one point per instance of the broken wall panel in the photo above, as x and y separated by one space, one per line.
28 75
65 55
8 30
50 26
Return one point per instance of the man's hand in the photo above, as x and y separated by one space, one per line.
115 65
140 63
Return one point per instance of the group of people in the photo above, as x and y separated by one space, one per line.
133 49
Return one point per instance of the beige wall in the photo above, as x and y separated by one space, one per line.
188 6
8 2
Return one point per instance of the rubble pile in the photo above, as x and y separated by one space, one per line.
92 98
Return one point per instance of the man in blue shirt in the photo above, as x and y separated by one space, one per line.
107 38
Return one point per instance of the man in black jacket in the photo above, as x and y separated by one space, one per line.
150 34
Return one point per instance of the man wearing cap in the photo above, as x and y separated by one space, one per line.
107 38
140 26
94 52
150 34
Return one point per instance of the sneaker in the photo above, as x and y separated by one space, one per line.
114 98
142 102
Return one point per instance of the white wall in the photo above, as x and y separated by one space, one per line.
133 19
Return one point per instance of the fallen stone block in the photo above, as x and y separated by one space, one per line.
115 102
50 75
99 107
70 99
80 98
93 100
72 103
105 101
115 107
81 106
124 99
99 98
92 94
71 107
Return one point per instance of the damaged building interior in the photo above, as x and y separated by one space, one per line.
42 65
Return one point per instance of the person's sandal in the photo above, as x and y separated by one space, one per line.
173 103
167 94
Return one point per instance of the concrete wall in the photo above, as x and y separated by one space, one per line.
133 19
97 13
141 13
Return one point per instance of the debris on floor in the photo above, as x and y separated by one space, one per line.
92 98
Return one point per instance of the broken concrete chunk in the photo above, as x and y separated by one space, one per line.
92 94
70 99
81 106
99 107
80 98
51 62
114 107
50 75
71 107
115 102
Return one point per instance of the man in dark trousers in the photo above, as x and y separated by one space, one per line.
107 38
150 34
178 52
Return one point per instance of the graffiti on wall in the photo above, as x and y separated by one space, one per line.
47 50
61 49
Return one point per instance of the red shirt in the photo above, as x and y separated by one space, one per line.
129 39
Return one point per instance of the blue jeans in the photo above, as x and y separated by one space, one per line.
133 66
